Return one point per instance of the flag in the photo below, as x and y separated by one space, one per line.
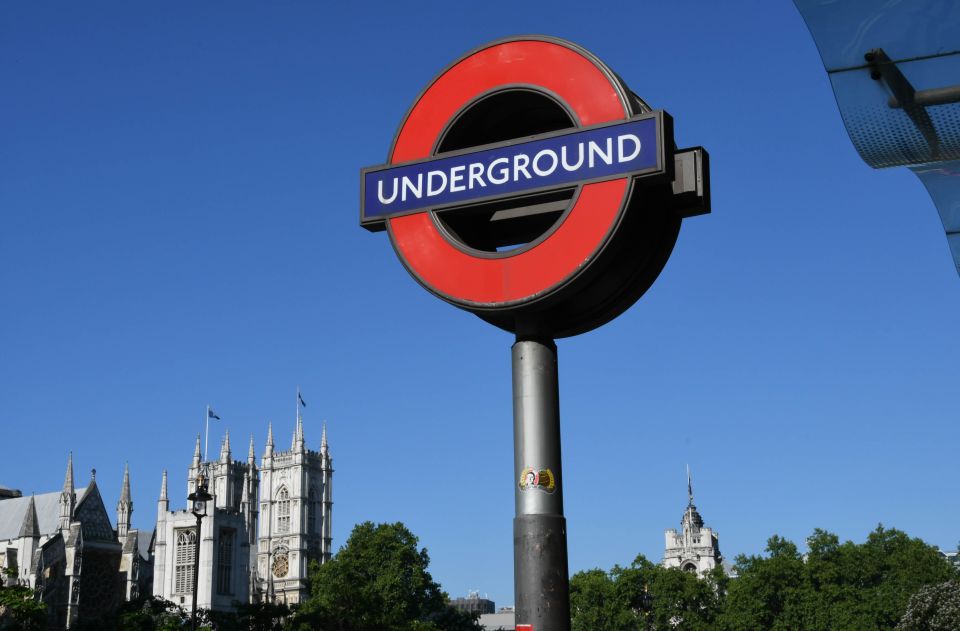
212 414
300 399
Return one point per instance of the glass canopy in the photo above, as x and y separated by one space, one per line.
895 70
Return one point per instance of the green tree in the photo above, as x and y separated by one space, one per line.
378 581
152 614
645 596
596 604
247 617
19 610
835 586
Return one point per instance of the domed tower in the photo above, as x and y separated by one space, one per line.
695 548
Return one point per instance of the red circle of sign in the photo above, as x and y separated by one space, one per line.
592 94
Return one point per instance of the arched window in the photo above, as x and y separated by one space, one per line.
283 511
312 513
225 561
183 561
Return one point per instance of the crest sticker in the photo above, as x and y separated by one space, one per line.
541 479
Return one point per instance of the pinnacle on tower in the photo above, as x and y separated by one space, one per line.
163 487
68 480
124 506
68 497
268 448
689 485
225 448
297 443
323 438
196 452
125 490
251 457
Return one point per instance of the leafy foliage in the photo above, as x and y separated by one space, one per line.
249 617
152 614
644 596
837 586
834 586
378 581
18 608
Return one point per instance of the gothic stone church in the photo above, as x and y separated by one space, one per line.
263 526
63 546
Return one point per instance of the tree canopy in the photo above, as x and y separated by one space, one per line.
379 581
833 586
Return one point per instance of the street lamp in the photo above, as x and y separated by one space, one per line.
198 499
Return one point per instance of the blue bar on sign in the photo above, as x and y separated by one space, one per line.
597 153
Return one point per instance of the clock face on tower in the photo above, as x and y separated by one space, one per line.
280 565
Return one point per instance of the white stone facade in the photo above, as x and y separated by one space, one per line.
695 547
225 553
262 529
296 517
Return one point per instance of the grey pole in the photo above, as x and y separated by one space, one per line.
540 579
196 576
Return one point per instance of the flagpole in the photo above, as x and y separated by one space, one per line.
206 435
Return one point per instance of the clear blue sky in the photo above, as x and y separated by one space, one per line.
178 227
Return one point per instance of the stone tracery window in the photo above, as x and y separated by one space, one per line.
283 511
225 561
183 561
312 513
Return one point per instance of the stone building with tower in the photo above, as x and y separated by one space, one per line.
226 537
694 548
63 546
263 526
296 512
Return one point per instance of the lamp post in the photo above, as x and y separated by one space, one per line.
198 499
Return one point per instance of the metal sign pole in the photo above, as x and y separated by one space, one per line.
541 583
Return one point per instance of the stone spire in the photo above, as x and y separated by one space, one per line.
326 526
297 444
68 479
225 448
29 528
125 490
163 504
124 506
689 485
196 453
68 497
251 456
163 487
268 448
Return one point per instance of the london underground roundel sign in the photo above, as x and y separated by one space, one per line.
530 186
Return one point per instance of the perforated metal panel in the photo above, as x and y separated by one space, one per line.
886 136
920 40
